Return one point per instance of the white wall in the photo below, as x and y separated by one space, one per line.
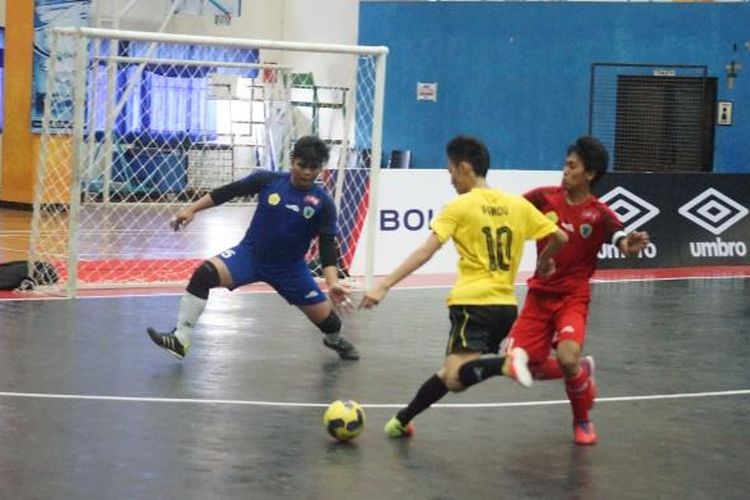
2 12
319 21
326 21
260 18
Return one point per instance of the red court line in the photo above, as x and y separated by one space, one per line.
437 280
432 281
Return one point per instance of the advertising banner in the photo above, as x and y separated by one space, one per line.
693 219
49 14
409 199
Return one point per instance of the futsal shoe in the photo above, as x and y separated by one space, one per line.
587 363
584 432
343 347
395 429
518 366
169 342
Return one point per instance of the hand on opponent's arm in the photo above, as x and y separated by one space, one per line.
413 262
545 264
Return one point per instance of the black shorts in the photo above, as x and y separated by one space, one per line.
479 328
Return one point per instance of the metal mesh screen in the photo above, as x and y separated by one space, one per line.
653 118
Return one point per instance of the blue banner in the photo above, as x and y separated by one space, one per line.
49 14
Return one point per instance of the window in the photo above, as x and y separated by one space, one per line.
168 102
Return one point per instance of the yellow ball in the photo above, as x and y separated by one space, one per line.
344 420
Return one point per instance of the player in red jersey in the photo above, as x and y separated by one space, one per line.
556 307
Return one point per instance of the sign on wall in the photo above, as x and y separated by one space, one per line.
427 91
49 14
693 219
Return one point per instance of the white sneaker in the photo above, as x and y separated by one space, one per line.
519 366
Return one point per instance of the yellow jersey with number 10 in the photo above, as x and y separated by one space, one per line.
489 229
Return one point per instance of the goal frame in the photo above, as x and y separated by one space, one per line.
78 137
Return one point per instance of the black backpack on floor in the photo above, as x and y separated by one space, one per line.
15 274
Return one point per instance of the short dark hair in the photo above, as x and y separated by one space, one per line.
593 154
311 151
472 151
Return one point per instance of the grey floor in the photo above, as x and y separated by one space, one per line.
89 408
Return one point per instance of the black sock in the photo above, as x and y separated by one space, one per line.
431 391
480 369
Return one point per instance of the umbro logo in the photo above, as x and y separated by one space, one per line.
632 210
713 211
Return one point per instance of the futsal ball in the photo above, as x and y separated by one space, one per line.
344 420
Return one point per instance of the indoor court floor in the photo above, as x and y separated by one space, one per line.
91 409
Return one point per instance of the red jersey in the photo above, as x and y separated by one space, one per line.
588 225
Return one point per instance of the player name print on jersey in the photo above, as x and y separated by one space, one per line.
494 211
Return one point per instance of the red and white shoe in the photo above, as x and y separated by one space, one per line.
587 363
519 366
584 432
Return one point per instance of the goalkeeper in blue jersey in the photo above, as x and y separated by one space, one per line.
292 210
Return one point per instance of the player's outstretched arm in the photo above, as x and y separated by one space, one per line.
247 186
186 214
413 262
328 258
634 243
338 294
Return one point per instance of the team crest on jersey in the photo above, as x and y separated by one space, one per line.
585 230
312 200
274 199
308 212
552 216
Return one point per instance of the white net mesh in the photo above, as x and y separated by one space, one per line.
136 127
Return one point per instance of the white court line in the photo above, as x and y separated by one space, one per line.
233 402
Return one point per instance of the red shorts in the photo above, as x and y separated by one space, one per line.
546 319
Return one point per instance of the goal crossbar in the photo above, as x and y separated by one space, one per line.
144 36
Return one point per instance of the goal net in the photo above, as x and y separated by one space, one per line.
137 125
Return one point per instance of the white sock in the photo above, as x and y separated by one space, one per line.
191 307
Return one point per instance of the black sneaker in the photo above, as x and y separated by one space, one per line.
343 347
169 342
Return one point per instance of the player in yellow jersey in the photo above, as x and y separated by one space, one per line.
489 228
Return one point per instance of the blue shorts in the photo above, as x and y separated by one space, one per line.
293 281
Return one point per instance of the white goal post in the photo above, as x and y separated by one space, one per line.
138 124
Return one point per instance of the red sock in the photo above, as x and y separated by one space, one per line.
549 369
581 394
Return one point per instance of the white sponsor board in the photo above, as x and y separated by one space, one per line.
409 199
